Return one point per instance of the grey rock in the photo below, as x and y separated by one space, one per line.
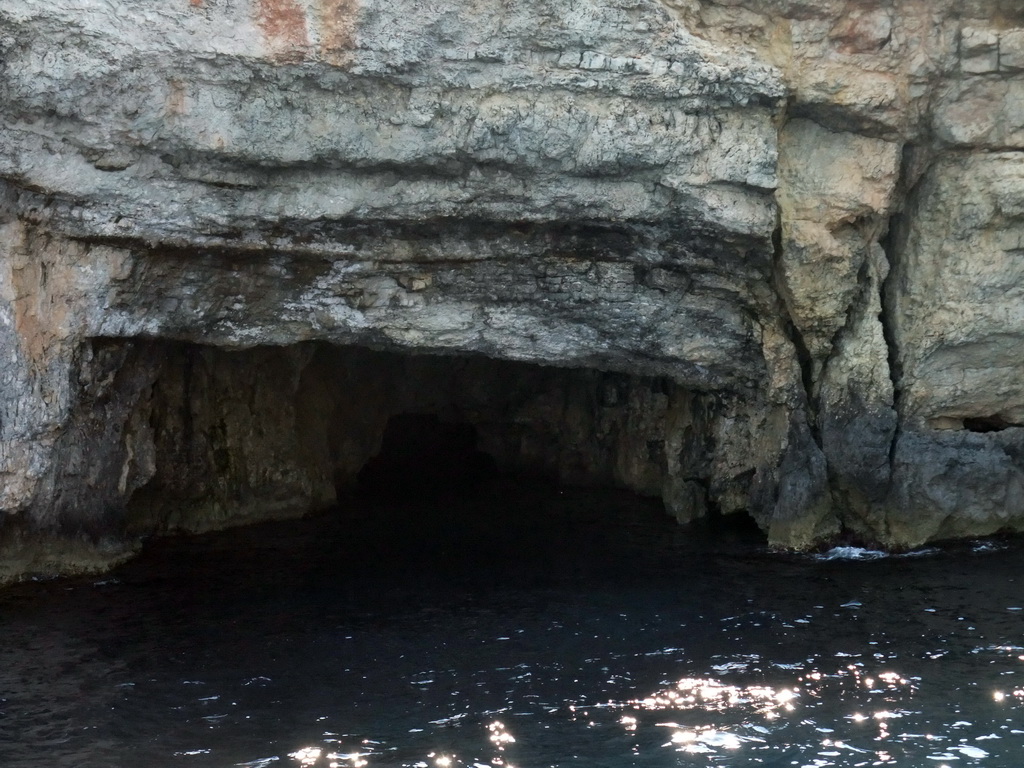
757 257
1011 50
955 484
979 51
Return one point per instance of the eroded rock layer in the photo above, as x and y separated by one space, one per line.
752 256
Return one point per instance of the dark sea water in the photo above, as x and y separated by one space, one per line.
522 627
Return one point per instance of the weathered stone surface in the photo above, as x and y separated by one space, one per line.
955 484
751 256
197 125
957 322
835 195
958 293
979 51
985 114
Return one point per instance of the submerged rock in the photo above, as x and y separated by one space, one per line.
753 257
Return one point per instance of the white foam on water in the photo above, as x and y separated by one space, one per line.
851 553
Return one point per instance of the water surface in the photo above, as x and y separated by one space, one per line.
521 627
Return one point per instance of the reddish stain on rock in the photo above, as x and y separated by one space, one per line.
284 24
863 31
338 30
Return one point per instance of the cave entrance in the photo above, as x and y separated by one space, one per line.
223 437
422 455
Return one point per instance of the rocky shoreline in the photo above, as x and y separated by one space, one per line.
757 257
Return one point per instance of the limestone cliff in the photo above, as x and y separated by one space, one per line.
752 256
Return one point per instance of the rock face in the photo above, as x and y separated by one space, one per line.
754 256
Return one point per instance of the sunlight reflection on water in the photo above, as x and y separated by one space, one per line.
632 648
730 723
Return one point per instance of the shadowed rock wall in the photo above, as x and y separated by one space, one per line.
805 218
246 435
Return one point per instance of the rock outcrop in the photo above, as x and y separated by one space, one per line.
752 256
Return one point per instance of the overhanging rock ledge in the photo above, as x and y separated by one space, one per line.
750 257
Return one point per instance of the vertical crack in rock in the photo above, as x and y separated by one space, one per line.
808 377
892 244
959 242
859 419
802 514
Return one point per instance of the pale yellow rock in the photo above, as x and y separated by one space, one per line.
836 192
982 113
959 293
